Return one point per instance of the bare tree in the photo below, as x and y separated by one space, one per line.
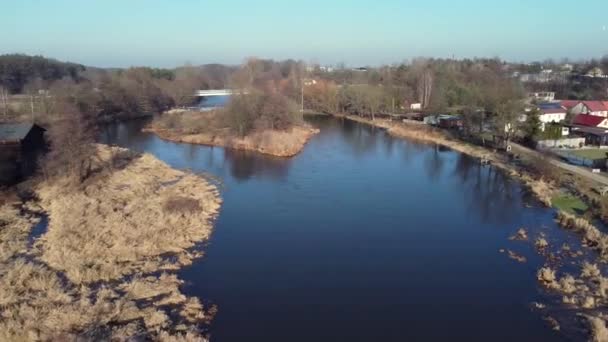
425 87
4 95
72 138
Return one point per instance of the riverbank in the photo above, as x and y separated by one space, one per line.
105 267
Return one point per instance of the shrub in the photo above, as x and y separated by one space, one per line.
182 205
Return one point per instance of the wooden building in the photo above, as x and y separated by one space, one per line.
21 145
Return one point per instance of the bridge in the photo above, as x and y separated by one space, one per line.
216 92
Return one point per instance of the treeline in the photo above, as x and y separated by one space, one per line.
268 96
481 90
40 89
17 70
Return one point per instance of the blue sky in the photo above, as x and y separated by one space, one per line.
357 32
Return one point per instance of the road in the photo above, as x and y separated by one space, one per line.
581 171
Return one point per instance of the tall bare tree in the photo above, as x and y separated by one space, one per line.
4 95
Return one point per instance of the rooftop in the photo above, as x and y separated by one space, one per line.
590 130
550 105
588 120
569 103
552 110
14 132
596 106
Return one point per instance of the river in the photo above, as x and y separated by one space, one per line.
361 237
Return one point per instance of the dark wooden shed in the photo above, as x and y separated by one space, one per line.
21 145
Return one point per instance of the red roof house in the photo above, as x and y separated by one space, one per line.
569 104
591 120
595 106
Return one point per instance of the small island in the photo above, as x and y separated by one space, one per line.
213 128
260 115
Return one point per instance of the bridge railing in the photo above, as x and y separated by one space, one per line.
216 92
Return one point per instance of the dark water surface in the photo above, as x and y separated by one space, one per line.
361 237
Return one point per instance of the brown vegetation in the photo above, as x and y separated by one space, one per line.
205 128
88 277
591 235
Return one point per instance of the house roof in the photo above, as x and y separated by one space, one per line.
588 120
596 106
547 105
569 103
590 130
553 110
14 132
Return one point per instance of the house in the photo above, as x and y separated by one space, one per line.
21 145
597 108
542 96
595 72
450 121
415 106
594 128
548 115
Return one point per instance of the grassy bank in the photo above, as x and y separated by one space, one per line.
570 204
205 128
105 267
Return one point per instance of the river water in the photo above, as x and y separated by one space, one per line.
361 237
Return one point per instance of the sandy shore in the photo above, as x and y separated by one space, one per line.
105 269
285 143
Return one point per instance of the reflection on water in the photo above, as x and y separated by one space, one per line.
361 237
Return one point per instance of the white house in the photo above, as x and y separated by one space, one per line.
545 96
596 72
416 106
549 115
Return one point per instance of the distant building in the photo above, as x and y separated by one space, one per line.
567 67
21 145
415 106
595 73
450 121
546 96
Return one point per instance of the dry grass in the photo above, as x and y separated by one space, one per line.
118 223
14 228
205 128
70 287
591 235
599 332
